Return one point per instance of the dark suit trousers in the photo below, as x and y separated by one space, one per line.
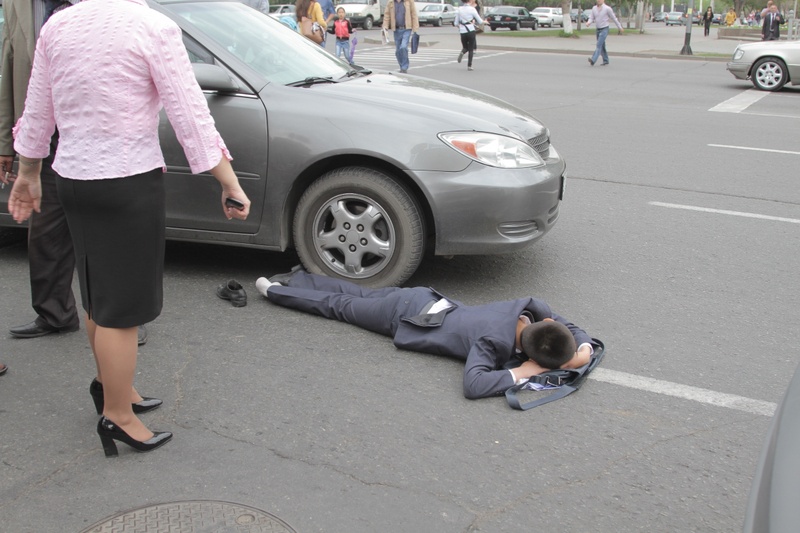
378 310
50 256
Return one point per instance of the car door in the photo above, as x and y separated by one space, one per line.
526 19
194 200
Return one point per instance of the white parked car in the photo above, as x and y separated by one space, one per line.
548 16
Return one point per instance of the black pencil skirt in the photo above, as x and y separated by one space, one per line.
117 228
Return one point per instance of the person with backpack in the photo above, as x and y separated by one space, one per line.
502 343
466 18
342 29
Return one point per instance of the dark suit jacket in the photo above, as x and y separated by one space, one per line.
483 335
771 28
19 44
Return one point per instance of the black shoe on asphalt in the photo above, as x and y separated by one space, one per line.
589 59
35 329
284 278
234 292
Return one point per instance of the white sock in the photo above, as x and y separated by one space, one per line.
262 284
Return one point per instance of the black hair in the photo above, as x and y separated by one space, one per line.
548 343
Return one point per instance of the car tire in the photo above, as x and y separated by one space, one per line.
367 25
769 74
516 26
494 28
359 224
438 22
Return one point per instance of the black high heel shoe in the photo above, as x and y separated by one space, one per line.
109 432
146 405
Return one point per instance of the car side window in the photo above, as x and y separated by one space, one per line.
197 54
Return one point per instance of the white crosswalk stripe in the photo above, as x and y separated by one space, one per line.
384 59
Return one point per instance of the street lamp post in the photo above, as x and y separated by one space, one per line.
687 48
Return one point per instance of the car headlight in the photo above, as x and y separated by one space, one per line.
737 54
493 150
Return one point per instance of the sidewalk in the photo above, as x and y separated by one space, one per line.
658 41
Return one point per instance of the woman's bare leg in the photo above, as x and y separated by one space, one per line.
115 352
91 329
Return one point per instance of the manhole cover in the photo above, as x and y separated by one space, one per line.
192 517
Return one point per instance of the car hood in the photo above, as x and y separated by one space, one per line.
770 45
444 106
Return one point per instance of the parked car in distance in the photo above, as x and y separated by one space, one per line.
437 14
279 10
717 19
674 18
573 15
659 17
769 65
548 16
424 166
695 19
511 17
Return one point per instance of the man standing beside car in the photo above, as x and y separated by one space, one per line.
401 17
51 259
50 255
771 30
601 16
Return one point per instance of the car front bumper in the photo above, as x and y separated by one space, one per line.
739 69
486 210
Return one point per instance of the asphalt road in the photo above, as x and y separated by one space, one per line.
675 247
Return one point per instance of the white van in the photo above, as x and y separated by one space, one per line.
364 13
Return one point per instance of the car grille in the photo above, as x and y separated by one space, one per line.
541 143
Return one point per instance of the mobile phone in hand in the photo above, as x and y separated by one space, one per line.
233 202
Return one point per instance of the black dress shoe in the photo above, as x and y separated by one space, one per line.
284 278
144 406
109 432
35 329
234 292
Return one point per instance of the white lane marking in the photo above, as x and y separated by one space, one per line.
720 399
740 102
726 212
754 149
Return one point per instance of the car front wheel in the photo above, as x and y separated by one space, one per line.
438 22
367 23
516 26
359 224
769 74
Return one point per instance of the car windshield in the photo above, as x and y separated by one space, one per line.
432 8
506 10
282 7
274 51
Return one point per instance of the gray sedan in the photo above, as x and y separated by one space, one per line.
361 173
437 14
769 64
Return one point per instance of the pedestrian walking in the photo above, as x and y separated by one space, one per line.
601 16
401 18
466 19
708 17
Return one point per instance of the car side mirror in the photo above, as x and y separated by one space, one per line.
214 78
